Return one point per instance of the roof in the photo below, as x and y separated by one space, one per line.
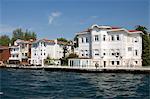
109 28
3 47
114 27
52 41
133 31
14 46
24 41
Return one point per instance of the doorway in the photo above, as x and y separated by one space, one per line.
104 63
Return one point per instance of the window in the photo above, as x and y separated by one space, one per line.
118 38
104 38
112 52
104 54
136 62
118 63
82 39
112 62
25 54
22 54
44 53
112 37
87 40
117 53
16 55
82 54
35 54
136 52
44 44
135 39
96 52
41 43
86 52
129 48
96 38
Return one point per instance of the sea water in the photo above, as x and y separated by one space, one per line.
40 84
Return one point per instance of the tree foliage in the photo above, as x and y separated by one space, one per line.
4 40
62 39
145 45
19 34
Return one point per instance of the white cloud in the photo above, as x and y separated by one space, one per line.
56 14
52 16
50 19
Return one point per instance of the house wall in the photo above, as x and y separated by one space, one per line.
39 52
4 55
103 50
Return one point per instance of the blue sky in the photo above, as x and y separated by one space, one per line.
63 18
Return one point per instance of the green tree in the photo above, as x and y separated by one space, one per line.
145 45
4 40
19 34
62 39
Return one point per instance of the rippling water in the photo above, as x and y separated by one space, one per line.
40 84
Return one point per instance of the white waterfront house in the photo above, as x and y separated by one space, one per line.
107 46
44 48
20 52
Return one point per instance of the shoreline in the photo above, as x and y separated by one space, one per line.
137 70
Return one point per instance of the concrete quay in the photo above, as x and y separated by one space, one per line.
100 69
85 69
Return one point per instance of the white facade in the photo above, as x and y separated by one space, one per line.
110 46
42 49
19 51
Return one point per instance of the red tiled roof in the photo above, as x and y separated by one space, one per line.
50 41
133 31
3 47
114 27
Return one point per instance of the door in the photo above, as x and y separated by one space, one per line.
104 63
